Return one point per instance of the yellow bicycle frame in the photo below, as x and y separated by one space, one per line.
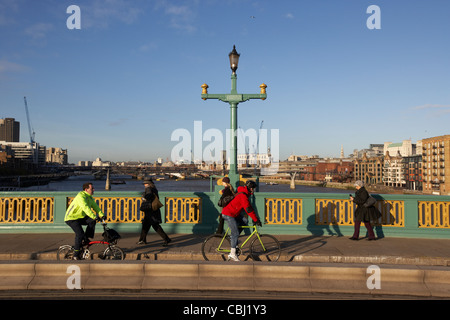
255 231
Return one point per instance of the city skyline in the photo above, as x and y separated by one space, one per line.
250 155
118 87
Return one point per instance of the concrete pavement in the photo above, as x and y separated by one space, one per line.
295 248
325 264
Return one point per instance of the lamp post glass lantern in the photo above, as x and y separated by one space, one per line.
233 98
234 59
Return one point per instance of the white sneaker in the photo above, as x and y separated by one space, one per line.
233 256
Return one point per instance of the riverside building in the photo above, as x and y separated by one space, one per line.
436 165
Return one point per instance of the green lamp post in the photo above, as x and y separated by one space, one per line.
234 98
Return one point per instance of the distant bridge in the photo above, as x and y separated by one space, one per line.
178 172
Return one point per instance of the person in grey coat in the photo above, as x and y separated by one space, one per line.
362 213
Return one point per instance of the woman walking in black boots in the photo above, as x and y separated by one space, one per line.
152 218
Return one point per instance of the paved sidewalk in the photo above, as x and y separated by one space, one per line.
295 248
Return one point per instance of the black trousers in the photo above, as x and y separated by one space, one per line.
151 221
220 227
80 235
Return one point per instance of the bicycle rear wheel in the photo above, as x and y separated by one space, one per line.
65 252
113 253
216 248
268 249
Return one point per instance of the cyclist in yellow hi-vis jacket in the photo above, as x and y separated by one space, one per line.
79 213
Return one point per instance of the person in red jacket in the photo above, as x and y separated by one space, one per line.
233 214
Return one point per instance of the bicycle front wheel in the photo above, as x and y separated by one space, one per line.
216 248
65 252
265 248
113 253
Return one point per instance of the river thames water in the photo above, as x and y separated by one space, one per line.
75 183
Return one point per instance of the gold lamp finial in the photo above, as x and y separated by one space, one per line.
205 89
263 89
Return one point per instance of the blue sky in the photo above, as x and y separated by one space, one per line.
118 87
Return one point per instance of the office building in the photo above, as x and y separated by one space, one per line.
404 148
9 130
56 156
27 152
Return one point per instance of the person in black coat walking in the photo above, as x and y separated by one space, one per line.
151 218
362 213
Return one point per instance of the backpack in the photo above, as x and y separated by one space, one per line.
223 201
111 236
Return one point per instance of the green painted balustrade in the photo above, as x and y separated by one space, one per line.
419 216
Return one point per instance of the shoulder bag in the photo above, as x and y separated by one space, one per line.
156 204
370 201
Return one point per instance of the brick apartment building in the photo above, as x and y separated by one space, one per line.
436 165
413 172
369 170
331 171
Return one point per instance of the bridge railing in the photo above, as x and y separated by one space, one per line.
187 212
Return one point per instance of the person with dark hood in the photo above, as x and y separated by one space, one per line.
364 213
152 218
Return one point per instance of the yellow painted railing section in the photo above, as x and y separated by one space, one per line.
392 213
278 211
121 210
341 212
118 209
283 211
335 212
434 214
183 210
26 210
126 209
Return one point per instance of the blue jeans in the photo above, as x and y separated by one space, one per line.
234 224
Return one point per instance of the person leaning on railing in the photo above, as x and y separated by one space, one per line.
79 213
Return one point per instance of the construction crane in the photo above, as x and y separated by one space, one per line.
30 130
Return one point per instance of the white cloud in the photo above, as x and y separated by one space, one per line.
7 8
117 123
434 110
101 13
38 31
7 66
148 47
181 17
431 106
289 16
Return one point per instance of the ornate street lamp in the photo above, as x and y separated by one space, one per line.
234 59
234 98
